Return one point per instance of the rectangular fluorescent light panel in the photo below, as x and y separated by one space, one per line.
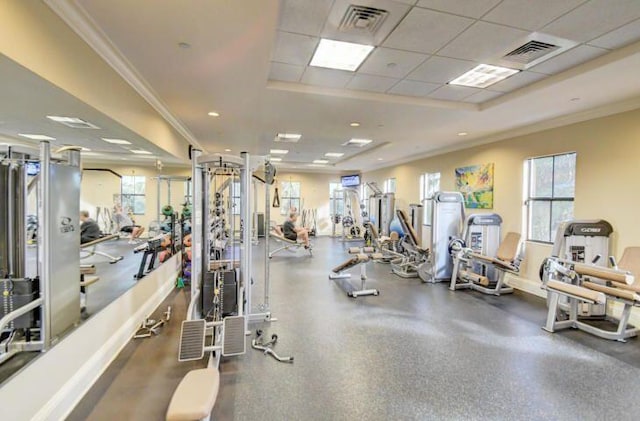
140 152
320 161
333 154
288 137
279 151
116 141
73 122
358 142
275 159
340 55
483 75
36 136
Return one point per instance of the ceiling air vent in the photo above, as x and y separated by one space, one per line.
531 51
362 18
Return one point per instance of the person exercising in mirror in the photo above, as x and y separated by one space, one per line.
293 233
89 229
125 224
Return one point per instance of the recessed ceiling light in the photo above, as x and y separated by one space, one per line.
116 141
73 122
140 152
354 124
227 150
320 161
274 159
333 154
85 149
184 45
357 142
463 134
315 165
380 159
279 151
483 75
288 137
340 55
36 136
213 114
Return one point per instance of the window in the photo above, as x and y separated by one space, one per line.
429 185
339 200
133 191
290 196
235 198
390 185
549 194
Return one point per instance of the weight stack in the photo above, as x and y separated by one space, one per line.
15 294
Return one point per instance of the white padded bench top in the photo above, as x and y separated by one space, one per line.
195 395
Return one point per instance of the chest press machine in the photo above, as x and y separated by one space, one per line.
415 259
361 256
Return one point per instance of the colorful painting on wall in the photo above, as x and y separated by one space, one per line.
476 185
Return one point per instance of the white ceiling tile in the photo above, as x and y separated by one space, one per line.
303 16
483 96
453 93
333 30
571 58
409 2
483 41
426 31
471 8
594 19
389 62
413 88
620 37
371 83
527 14
285 72
294 48
441 69
517 81
326 77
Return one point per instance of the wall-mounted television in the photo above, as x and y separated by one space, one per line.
33 168
351 180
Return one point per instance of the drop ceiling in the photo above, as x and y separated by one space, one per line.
249 61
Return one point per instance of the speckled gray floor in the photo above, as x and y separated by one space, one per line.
415 352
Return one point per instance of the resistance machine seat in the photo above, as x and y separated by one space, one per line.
287 244
507 260
195 396
415 260
583 283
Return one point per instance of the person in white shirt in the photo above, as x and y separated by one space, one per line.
125 224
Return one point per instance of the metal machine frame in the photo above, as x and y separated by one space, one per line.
58 305
361 258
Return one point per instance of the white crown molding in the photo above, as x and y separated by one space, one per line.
566 120
83 25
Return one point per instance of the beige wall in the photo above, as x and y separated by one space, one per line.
98 188
608 151
315 194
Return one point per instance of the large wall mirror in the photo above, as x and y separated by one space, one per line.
103 215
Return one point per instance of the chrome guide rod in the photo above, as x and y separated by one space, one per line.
44 262
267 227
245 262
196 231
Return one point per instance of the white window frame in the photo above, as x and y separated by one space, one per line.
286 202
389 185
529 201
429 185
128 199
335 185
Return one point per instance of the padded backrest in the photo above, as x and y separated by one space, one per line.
630 261
374 231
508 250
407 228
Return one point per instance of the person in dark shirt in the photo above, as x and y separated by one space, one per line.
292 232
89 230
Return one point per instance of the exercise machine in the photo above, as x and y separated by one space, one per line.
583 241
40 302
447 218
587 283
285 243
415 260
480 260
381 208
361 256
